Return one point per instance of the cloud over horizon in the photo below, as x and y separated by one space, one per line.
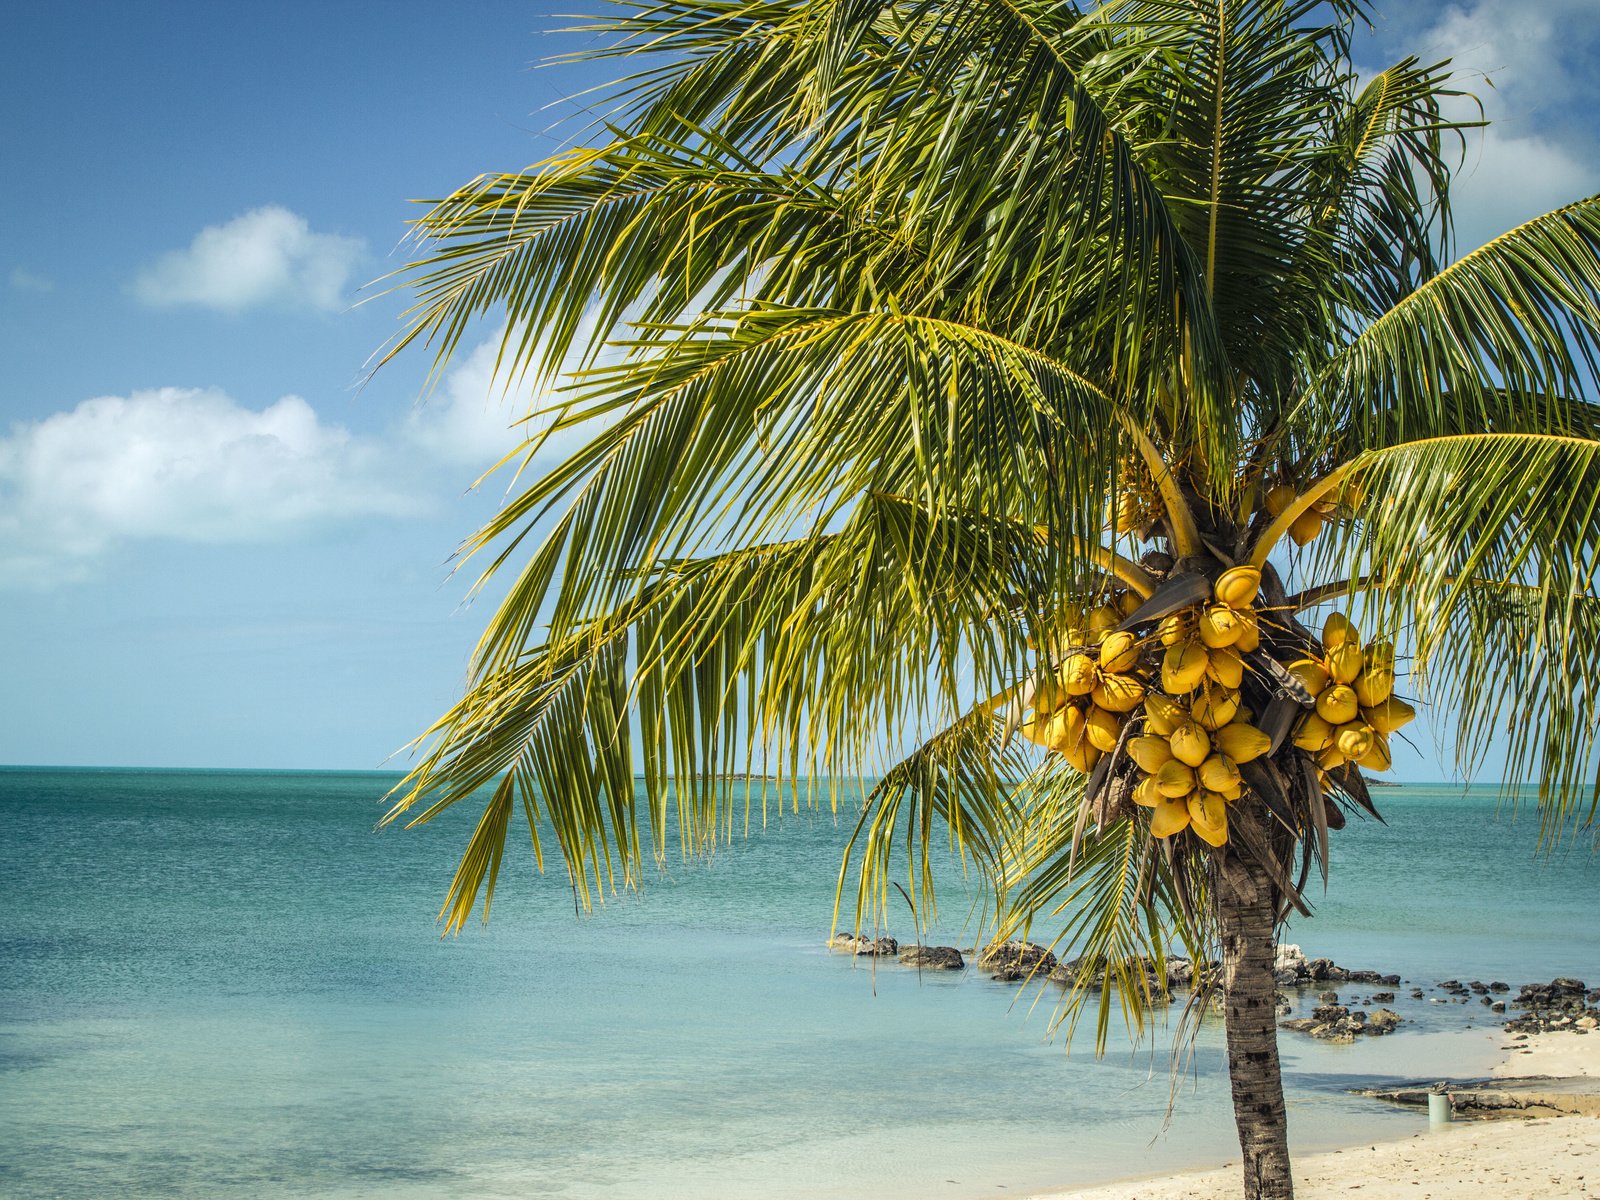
266 258
186 464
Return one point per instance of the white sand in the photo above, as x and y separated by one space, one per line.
1507 1159
1561 1054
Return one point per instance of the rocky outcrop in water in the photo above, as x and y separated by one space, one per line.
1561 1004
933 958
849 943
1012 961
1293 969
1338 1023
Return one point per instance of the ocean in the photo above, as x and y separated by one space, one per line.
228 984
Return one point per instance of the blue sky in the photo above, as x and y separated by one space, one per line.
215 548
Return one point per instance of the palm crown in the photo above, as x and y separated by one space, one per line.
970 366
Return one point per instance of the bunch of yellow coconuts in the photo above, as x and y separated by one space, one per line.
1080 709
1356 709
1195 735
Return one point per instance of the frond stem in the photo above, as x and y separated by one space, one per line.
1185 533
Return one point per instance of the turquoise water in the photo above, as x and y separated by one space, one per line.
219 984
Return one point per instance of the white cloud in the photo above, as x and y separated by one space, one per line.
1526 65
267 257
469 420
23 280
176 463
474 419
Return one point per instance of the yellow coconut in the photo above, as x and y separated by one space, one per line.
1354 740
1102 620
1083 756
1163 714
1130 512
1183 667
1219 773
1241 742
1101 728
1208 817
1279 498
1119 652
1175 778
1219 626
1078 675
1169 817
1128 603
1311 673
1380 654
1314 733
1338 704
1215 707
1330 759
1390 715
1233 793
1118 693
1238 586
1249 631
1378 758
1344 662
1305 528
1149 752
1048 694
1067 727
1225 666
1337 630
1190 744
1374 686
1176 627
1145 793
1042 729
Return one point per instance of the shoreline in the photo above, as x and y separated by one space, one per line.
1510 1157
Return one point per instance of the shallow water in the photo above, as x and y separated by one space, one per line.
226 984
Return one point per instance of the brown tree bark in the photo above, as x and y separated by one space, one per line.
1245 913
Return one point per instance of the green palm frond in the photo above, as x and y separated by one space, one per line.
1106 890
1505 339
964 778
788 656
738 430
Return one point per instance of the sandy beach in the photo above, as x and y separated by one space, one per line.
1509 1158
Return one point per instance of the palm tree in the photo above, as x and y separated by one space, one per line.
974 397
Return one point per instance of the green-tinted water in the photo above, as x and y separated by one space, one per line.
227 985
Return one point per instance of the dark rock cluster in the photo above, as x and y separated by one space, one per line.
934 958
1337 1023
849 943
1561 1004
1158 983
1293 969
1010 962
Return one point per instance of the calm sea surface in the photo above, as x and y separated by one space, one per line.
225 984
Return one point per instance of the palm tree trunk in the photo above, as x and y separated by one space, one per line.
1246 917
